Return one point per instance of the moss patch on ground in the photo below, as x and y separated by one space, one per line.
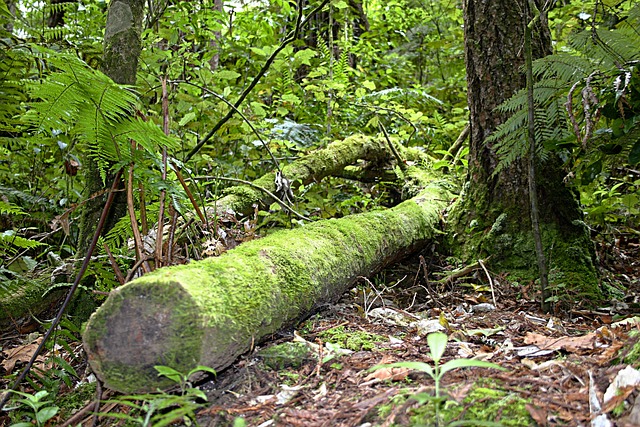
484 403
351 340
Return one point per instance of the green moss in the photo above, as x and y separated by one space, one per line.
351 340
505 408
286 355
142 325
631 352
215 309
21 298
569 253
76 399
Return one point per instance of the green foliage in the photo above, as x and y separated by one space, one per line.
35 406
587 105
84 104
437 342
162 409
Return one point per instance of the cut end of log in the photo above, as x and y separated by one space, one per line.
141 326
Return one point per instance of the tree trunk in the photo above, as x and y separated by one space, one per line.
493 216
209 312
120 62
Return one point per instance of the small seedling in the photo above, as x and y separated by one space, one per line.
182 380
437 344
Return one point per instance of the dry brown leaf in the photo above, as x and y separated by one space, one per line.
460 393
538 414
570 344
393 374
22 353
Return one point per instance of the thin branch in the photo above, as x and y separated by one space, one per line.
246 120
401 163
257 187
300 23
137 238
493 293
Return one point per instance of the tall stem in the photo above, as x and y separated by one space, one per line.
531 136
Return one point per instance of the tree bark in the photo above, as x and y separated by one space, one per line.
209 312
493 216
313 167
122 47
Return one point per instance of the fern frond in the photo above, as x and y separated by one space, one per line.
89 106
341 69
563 67
11 243
10 209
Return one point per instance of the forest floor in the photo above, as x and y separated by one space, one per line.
552 363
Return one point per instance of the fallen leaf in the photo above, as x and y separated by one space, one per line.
570 344
393 374
538 414
22 353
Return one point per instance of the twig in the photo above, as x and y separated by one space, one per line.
96 408
455 149
134 223
392 111
399 160
257 187
189 193
246 120
163 192
172 233
137 265
114 264
493 294
423 267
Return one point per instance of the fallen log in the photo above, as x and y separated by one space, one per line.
313 167
210 312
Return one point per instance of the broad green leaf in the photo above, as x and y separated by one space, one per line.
258 51
227 75
437 344
168 372
258 109
45 414
304 56
369 85
187 118
340 4
201 368
289 97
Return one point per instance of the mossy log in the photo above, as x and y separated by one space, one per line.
211 311
313 167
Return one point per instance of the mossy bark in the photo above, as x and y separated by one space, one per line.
21 301
493 215
209 312
313 167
